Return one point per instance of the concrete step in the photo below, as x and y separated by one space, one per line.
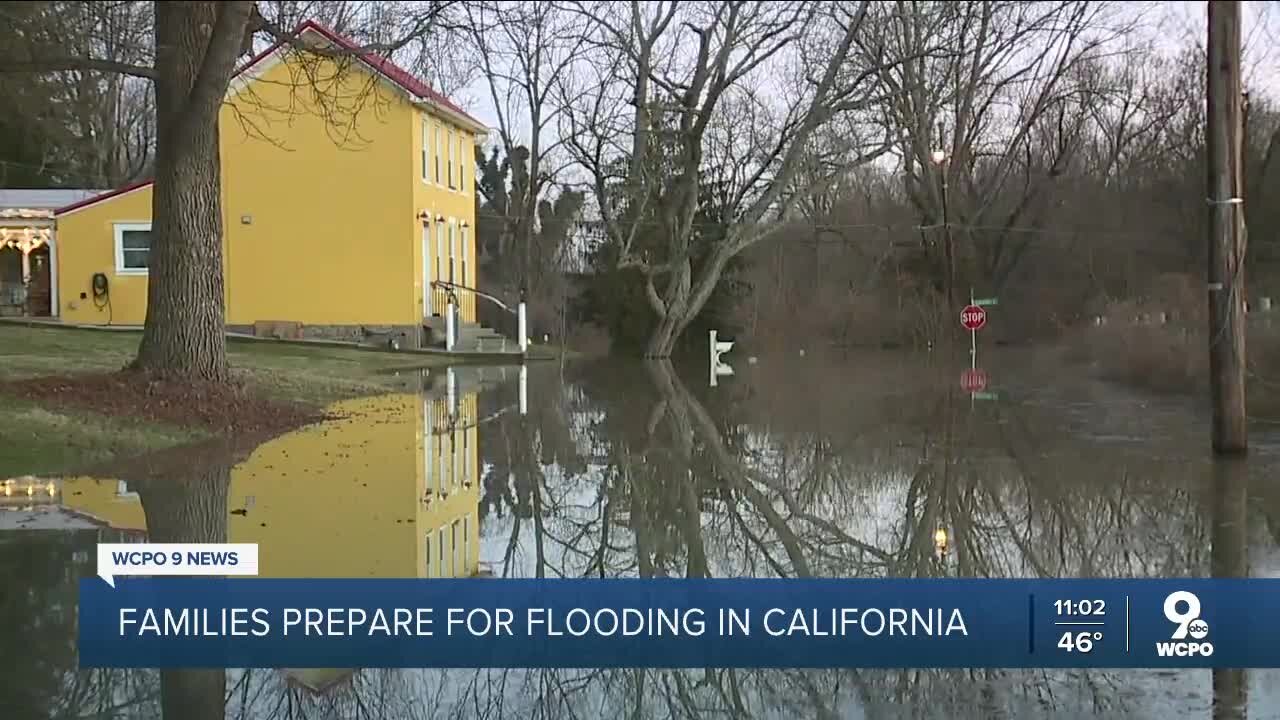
498 344
466 336
472 337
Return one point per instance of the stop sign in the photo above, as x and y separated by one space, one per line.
973 317
973 380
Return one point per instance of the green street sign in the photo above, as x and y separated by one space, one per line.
985 396
986 301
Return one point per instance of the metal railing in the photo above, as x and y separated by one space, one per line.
448 297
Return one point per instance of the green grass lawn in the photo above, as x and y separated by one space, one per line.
36 440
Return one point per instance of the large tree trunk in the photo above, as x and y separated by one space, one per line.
685 299
197 44
190 510
662 341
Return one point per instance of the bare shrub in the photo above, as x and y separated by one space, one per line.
1155 357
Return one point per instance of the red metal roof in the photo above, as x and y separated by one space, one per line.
104 196
389 69
384 66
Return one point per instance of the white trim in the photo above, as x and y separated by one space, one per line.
52 242
452 115
117 233
254 73
275 57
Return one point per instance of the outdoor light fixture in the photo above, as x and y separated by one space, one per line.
940 541
939 156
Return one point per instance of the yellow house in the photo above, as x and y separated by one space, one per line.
391 490
348 200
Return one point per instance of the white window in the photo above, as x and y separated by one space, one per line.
451 146
445 569
453 253
442 464
466 457
465 251
428 457
439 250
454 532
438 153
466 545
463 159
133 248
426 148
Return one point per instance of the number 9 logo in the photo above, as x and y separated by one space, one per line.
1181 619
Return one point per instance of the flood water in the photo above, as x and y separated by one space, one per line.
832 467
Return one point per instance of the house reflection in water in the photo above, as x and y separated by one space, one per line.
390 490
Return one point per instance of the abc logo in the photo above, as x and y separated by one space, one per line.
1182 608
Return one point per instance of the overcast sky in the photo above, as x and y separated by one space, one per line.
1171 26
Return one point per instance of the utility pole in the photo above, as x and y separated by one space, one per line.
1226 230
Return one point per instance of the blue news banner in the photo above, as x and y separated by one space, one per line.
174 622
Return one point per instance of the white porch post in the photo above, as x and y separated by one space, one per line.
524 389
450 327
54 310
451 392
523 316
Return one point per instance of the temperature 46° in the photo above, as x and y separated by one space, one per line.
1079 641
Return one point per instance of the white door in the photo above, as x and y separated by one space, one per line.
426 270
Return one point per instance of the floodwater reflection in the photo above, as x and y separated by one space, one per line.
848 468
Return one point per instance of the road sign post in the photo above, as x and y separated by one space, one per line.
973 318
973 380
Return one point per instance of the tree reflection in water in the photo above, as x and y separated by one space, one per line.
632 471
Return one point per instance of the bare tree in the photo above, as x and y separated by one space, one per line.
193 54
525 52
966 117
92 128
667 80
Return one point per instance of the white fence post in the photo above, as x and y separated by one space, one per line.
524 389
451 390
524 328
450 325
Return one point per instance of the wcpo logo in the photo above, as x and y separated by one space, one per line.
1182 608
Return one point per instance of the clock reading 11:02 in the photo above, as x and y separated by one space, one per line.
1078 608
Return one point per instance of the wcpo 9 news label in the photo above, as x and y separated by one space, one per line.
189 606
